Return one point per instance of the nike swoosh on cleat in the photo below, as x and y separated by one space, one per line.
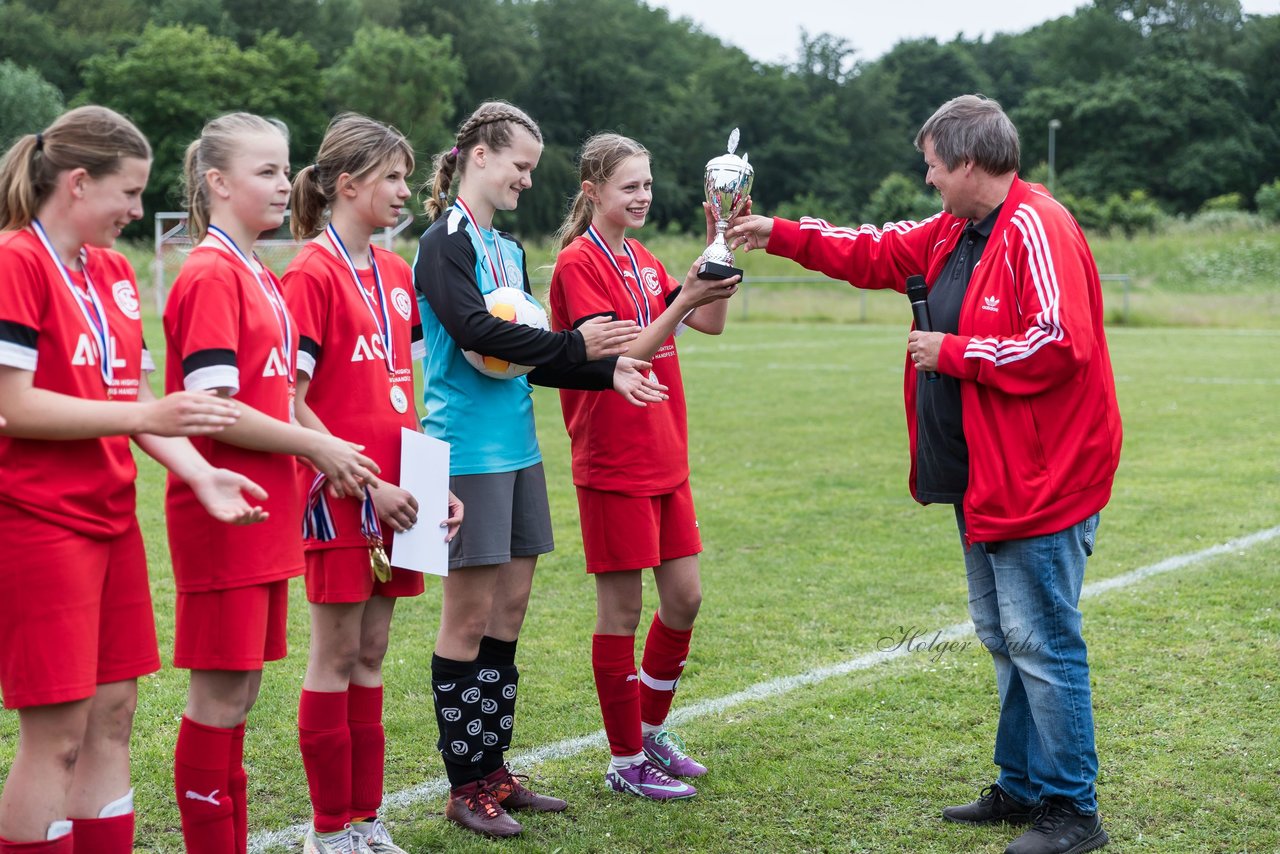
678 787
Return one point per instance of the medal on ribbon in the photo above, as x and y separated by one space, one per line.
317 524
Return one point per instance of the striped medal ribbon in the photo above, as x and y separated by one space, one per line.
276 299
318 524
381 317
499 269
644 315
95 316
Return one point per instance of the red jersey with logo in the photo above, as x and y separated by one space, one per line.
342 352
222 332
618 447
85 485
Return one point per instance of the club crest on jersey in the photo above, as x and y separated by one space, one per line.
275 366
86 352
403 302
368 347
126 298
650 277
514 273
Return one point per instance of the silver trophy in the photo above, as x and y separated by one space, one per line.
728 185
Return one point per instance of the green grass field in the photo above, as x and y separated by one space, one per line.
814 554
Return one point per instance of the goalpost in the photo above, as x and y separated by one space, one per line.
173 244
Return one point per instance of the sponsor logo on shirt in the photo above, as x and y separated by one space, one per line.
86 352
275 366
126 298
651 282
991 304
368 347
402 301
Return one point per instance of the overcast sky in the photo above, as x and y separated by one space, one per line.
769 30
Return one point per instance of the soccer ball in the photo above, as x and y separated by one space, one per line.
516 306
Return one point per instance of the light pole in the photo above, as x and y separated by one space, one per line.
1054 124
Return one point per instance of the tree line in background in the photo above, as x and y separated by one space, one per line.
1164 106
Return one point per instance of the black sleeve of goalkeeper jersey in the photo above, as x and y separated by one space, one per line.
445 276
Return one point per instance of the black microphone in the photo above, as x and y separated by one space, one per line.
918 293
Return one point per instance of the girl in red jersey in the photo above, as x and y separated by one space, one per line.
76 627
228 329
359 334
631 466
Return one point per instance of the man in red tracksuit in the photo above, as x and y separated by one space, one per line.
1020 431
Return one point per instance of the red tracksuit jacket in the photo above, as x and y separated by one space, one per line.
1039 403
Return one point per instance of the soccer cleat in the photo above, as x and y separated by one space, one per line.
666 749
514 795
648 781
376 837
993 806
1059 829
476 808
346 841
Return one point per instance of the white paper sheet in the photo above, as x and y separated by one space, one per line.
424 473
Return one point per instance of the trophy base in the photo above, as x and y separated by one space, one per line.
716 271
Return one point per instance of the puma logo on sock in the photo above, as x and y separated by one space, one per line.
211 798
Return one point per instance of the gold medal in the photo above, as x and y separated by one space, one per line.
379 562
399 400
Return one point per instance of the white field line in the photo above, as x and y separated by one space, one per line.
432 789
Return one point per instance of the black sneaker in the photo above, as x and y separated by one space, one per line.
993 806
1059 829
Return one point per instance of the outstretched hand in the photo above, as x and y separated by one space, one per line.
635 381
748 231
222 493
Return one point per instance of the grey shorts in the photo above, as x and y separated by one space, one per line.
505 515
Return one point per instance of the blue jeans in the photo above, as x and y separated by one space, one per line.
1023 598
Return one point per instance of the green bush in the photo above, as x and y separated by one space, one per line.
1268 201
1225 202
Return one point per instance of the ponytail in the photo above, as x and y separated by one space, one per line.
442 169
307 204
91 138
576 223
490 125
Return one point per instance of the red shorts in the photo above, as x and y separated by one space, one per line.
235 629
345 575
622 532
75 612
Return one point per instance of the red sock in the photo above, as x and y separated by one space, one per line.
665 651
239 785
613 659
368 749
326 755
201 783
61 845
106 835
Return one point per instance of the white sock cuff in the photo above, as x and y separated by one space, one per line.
620 762
120 806
650 729
58 829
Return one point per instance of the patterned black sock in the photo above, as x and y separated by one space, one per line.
498 677
456 692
